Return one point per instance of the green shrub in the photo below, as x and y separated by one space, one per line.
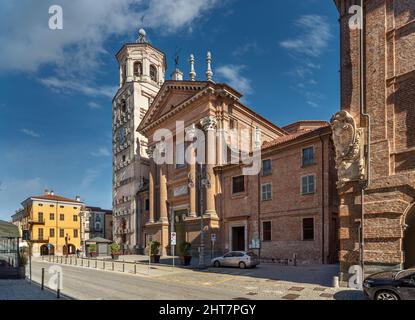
155 248
92 248
115 248
185 248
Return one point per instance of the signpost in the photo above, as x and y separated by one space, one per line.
173 242
213 240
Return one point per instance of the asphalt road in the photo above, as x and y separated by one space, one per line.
163 283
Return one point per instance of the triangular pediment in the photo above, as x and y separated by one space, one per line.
171 95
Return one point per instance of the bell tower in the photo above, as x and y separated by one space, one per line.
142 70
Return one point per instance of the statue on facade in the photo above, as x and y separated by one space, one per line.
348 141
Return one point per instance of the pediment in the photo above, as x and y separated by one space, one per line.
171 95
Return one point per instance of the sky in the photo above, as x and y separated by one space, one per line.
56 86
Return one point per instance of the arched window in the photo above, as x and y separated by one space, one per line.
153 73
138 69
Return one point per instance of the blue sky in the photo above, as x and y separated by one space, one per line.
57 85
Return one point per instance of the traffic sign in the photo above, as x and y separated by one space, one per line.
173 238
213 237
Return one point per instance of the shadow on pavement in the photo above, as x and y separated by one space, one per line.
349 295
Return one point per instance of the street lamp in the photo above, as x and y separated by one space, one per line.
204 182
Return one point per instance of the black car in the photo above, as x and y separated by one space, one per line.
391 285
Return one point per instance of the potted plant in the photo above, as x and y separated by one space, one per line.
115 251
23 259
92 249
155 252
185 253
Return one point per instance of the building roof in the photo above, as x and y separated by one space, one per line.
50 197
98 209
294 136
8 230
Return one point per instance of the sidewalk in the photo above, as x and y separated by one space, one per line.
23 290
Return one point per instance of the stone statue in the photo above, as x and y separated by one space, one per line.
348 142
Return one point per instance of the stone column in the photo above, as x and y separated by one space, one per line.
209 126
129 68
151 193
163 193
190 135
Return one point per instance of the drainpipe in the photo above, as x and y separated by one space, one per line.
259 216
323 199
367 116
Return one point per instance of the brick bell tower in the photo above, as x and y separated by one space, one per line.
374 135
142 72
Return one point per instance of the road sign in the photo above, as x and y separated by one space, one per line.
173 237
213 237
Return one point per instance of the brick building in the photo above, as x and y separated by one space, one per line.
377 179
288 208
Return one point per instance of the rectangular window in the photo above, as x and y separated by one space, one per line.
62 217
75 233
51 216
267 231
52 233
238 184
62 233
308 185
308 229
308 156
40 217
266 192
147 205
266 168
40 233
75 218
62 207
180 156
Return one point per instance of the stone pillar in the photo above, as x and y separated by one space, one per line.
129 68
163 193
151 193
191 134
209 126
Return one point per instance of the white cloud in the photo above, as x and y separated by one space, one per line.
94 105
68 86
74 55
30 133
102 152
232 74
313 39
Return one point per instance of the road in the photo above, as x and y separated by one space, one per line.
179 284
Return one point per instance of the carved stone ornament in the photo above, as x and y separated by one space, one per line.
348 141
150 152
209 123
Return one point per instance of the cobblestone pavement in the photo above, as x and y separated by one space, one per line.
267 282
23 290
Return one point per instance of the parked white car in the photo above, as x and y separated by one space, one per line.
239 259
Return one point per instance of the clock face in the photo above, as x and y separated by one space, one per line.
121 135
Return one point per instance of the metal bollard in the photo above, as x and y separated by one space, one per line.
58 291
123 267
336 282
113 266
135 269
88 263
43 279
103 265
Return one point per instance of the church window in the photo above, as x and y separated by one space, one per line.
153 73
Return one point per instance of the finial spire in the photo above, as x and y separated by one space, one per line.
192 68
142 36
209 72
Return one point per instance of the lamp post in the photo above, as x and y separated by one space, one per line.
204 182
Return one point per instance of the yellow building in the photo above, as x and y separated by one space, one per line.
53 222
